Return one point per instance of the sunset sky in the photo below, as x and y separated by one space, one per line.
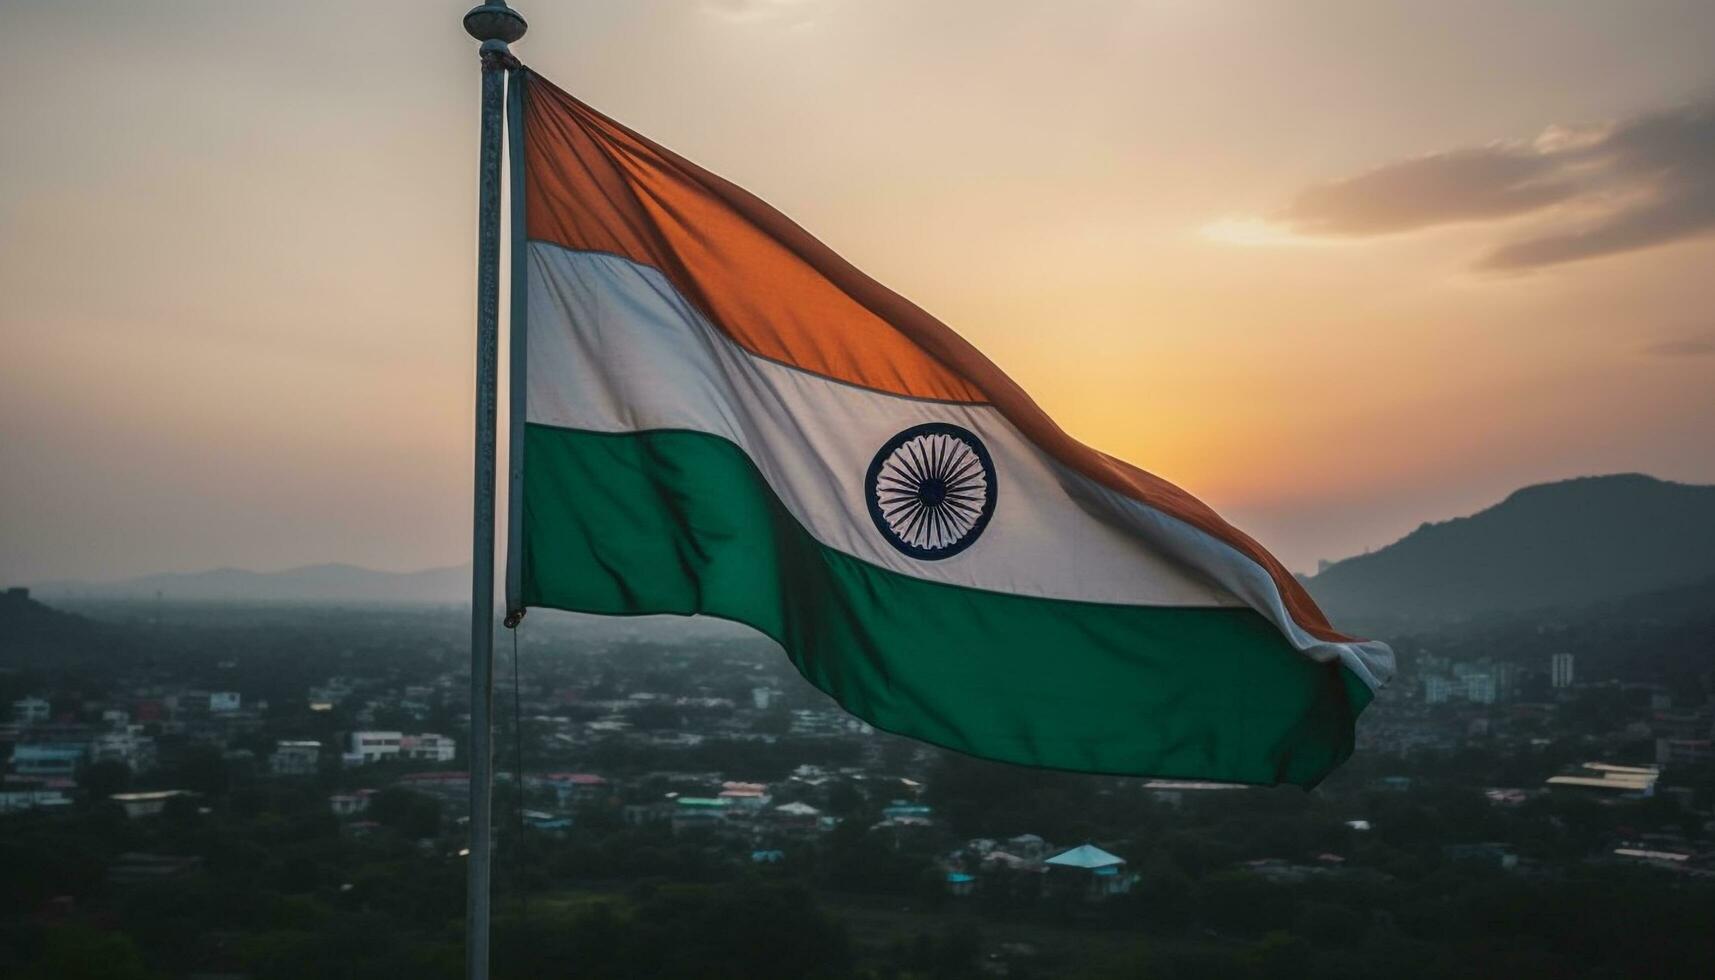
1337 268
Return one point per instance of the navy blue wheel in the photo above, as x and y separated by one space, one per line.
931 490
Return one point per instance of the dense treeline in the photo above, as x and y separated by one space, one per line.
282 889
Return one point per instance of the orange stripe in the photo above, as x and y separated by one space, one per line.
592 184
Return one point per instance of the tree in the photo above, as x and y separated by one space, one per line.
100 780
81 953
202 769
413 815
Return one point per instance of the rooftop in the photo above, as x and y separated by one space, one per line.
1618 779
1086 856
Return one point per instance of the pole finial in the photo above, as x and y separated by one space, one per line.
495 21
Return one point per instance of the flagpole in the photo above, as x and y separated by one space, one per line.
496 26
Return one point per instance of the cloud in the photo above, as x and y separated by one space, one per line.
1586 191
1464 185
1702 346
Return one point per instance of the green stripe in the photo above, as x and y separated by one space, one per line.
682 522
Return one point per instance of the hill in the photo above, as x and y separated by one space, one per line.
311 583
1564 544
32 633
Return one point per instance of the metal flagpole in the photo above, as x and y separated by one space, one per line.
496 26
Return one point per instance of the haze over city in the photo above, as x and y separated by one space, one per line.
818 648
1337 269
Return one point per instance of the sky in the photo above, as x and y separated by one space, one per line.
1336 268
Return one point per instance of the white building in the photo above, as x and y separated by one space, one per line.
30 711
295 758
1560 670
349 804
135 750
224 702
428 747
1635 781
146 804
366 748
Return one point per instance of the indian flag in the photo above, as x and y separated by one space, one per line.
722 417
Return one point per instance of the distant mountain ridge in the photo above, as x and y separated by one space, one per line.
1570 543
1578 541
309 583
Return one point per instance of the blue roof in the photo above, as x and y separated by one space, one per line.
1086 856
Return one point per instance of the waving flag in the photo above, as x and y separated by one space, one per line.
723 417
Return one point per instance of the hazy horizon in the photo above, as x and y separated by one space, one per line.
1288 258
463 562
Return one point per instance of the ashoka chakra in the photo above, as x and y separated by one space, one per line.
931 490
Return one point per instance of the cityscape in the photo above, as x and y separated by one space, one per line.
663 783
835 490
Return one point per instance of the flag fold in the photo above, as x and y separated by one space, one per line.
723 417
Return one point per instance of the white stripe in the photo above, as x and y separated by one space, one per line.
613 347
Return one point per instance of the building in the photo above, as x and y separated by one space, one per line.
800 820
1475 681
1493 854
48 759
31 711
906 810
1480 688
428 747
451 788
1609 779
136 751
699 813
573 788
548 823
643 814
224 702
1437 690
367 748
1683 752
1090 871
186 705
134 868
1560 670
147 804
28 796
749 797
349 804
1171 792
298 758
337 689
